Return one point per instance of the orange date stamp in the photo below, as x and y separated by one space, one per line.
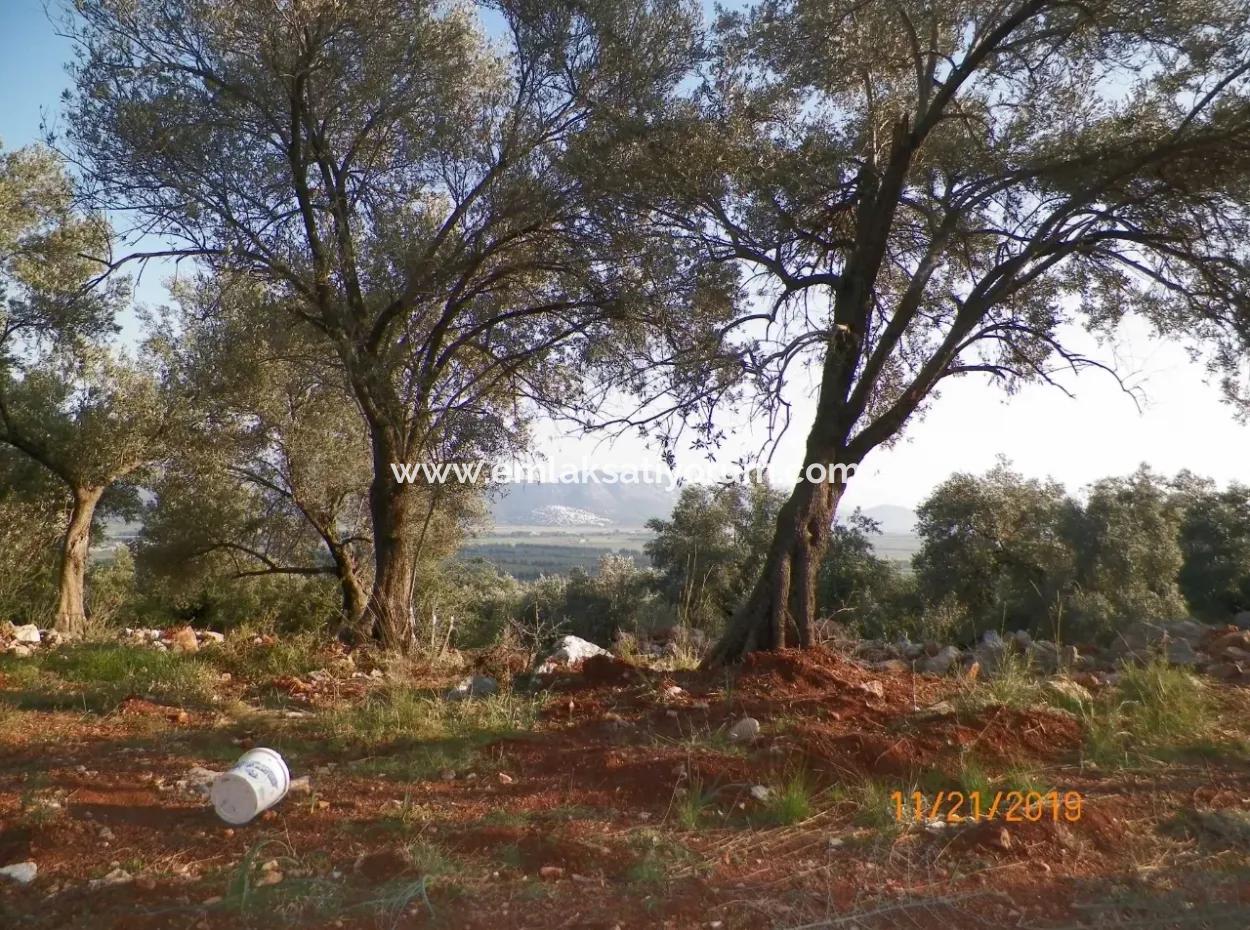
1008 806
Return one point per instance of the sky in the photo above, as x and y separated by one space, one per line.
1182 421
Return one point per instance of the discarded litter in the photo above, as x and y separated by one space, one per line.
257 782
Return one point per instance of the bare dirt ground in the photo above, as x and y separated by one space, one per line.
612 797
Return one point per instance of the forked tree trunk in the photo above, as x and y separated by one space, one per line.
779 612
355 597
389 613
71 614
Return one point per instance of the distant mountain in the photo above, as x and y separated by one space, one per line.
559 515
618 504
893 518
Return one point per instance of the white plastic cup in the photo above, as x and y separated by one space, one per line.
257 782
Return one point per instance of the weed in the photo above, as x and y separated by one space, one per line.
791 802
691 804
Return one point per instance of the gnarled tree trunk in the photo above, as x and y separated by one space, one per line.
780 609
389 612
71 614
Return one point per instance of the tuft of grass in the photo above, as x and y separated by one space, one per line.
691 804
791 802
658 858
872 804
1013 685
1155 712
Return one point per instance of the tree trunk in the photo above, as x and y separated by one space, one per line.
779 611
389 613
355 597
71 615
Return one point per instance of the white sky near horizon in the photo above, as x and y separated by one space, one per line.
1183 422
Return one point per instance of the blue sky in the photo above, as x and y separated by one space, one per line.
1182 423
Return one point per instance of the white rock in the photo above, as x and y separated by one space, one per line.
745 730
761 792
301 785
21 872
212 636
572 649
473 686
27 633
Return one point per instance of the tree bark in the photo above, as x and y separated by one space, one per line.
389 613
71 615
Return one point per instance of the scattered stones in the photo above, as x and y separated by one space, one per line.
745 730
21 872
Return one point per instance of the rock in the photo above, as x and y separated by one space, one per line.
20 650
551 872
1242 620
1044 656
1237 639
1190 630
183 640
28 634
1233 654
1225 671
1067 689
973 671
1022 639
991 639
472 687
572 650
1001 840
1179 652
940 709
21 872
115 877
505 778
941 663
745 730
199 780
875 688
212 636
892 667
761 792
301 785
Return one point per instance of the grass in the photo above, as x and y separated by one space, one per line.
1155 713
293 655
1013 685
791 802
872 804
413 735
98 677
691 804
657 858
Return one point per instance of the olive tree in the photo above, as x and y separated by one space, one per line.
402 183
921 190
87 414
